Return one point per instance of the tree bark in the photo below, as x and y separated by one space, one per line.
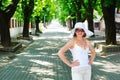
77 6
90 17
78 12
5 15
27 10
5 33
26 27
37 24
109 17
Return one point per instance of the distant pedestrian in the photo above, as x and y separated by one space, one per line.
79 47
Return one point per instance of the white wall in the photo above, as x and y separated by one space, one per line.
14 32
117 16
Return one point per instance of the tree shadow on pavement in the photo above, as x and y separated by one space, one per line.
40 62
106 68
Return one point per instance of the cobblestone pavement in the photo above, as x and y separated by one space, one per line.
39 61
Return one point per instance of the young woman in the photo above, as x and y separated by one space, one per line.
79 47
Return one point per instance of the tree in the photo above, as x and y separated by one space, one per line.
37 20
108 8
37 13
44 11
66 12
7 9
77 5
89 6
80 10
90 15
27 6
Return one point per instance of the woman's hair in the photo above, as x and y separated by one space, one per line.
82 36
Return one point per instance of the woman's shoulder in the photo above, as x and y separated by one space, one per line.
88 42
70 42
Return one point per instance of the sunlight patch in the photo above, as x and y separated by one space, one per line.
101 77
46 47
45 63
47 79
108 67
98 63
42 71
23 53
33 55
111 68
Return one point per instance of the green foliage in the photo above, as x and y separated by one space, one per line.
45 9
65 10
118 3
38 7
98 9
19 13
107 3
69 8
5 3
62 9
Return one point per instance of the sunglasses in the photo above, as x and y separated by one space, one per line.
79 30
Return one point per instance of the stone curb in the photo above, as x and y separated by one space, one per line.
11 49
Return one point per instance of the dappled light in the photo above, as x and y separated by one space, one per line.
45 63
39 61
109 67
42 71
42 27
33 55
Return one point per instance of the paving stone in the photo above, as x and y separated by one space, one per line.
39 61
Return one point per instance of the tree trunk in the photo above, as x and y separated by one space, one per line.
26 27
74 21
110 29
78 16
90 17
37 27
69 24
77 6
27 7
5 33
5 16
37 24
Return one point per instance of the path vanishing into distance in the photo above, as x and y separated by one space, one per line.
39 61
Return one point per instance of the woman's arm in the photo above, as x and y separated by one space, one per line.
93 53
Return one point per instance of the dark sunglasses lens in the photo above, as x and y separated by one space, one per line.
79 30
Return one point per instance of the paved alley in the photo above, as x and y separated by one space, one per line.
39 61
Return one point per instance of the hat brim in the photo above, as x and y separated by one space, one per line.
88 32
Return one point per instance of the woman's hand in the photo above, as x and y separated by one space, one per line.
75 63
90 62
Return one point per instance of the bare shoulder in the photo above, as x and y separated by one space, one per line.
71 41
88 42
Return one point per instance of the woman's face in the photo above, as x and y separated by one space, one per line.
79 32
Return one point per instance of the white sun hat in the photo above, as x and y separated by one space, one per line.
81 26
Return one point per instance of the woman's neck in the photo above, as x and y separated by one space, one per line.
79 38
